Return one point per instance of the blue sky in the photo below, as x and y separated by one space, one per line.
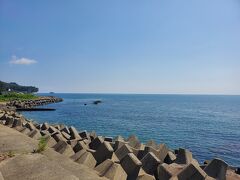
138 46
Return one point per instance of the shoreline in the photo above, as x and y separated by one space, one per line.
151 159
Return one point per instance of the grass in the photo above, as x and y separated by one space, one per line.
42 144
16 96
6 155
11 154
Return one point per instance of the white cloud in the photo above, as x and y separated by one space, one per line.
22 61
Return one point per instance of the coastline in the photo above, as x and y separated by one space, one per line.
153 160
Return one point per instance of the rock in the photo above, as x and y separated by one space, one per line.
170 158
217 168
131 165
96 142
123 151
63 148
74 133
97 102
103 152
111 170
192 171
84 157
150 163
183 157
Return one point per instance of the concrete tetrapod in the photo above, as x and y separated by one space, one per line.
111 170
217 169
131 165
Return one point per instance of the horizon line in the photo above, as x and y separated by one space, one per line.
128 93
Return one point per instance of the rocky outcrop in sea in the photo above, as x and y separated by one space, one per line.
40 101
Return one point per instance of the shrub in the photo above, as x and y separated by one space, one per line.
42 144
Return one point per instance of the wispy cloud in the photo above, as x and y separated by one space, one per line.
22 61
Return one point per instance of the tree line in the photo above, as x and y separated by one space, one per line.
14 87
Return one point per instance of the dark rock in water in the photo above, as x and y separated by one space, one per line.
97 102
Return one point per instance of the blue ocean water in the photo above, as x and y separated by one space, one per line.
208 125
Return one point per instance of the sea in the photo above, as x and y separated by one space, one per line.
207 125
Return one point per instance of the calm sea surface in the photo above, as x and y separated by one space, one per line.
208 125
